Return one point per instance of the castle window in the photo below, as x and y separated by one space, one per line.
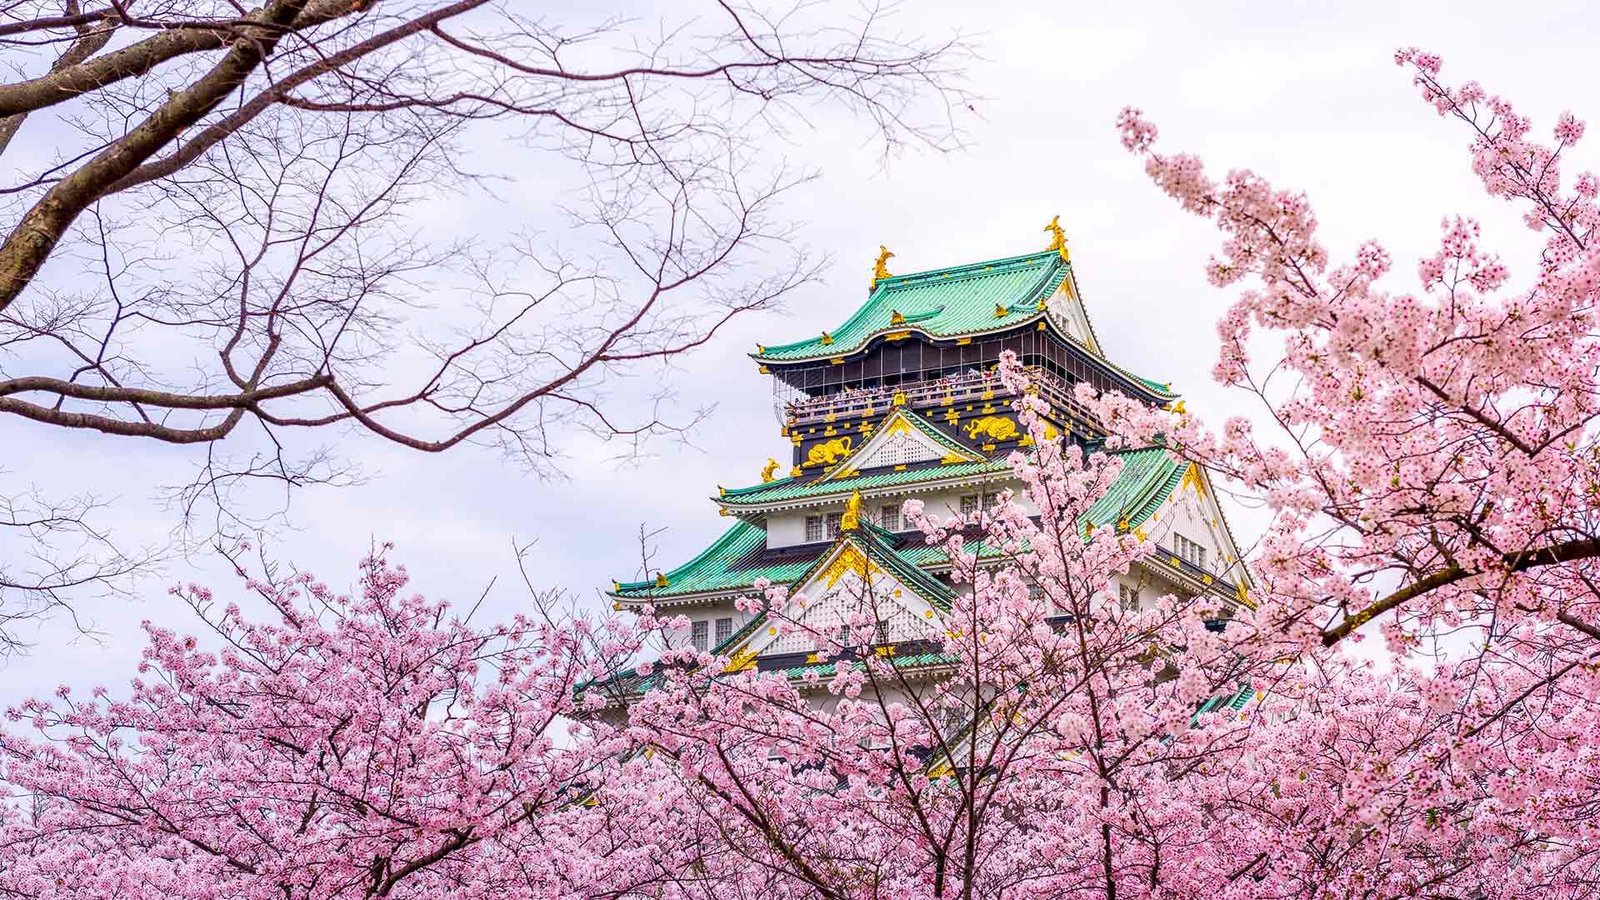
832 520
889 517
1190 551
814 529
971 503
698 635
724 630
1128 597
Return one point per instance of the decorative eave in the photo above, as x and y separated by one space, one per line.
1167 565
622 601
1025 307
838 490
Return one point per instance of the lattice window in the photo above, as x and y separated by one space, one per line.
832 520
825 623
1128 597
724 629
814 530
971 503
898 450
889 517
698 635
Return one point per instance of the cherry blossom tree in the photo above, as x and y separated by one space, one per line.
1039 749
1430 467
332 746
1431 470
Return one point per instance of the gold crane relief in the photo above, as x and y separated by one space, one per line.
829 452
995 428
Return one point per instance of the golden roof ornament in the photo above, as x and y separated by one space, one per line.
880 270
661 580
851 520
896 318
1058 238
766 471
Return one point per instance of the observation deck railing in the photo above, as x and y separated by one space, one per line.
948 390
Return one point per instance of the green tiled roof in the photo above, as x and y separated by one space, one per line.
716 569
800 488
1148 477
943 303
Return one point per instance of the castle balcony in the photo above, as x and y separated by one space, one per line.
947 390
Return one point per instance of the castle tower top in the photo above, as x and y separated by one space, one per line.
929 342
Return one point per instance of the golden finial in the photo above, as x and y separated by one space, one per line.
1000 311
1058 238
895 318
851 520
766 473
827 338
881 270
661 579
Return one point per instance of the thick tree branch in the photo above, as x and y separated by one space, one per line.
1569 551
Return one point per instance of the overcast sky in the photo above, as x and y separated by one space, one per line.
1304 92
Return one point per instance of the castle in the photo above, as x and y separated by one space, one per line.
903 401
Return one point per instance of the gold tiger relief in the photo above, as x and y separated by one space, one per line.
829 452
994 428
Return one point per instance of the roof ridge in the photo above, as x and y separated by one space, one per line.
907 570
978 267
765 485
